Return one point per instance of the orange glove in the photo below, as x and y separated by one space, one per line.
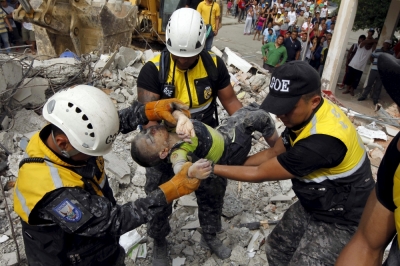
180 184
162 109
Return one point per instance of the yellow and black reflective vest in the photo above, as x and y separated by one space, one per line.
49 174
41 174
325 191
195 87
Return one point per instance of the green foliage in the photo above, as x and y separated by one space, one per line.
371 14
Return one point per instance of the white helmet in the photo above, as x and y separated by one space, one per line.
87 116
185 33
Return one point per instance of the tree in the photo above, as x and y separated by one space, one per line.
370 14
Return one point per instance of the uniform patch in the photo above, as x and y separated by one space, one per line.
68 211
207 93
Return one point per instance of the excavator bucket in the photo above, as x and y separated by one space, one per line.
82 26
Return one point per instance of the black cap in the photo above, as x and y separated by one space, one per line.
389 71
288 83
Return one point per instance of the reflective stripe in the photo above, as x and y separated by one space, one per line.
156 63
54 174
202 108
337 176
23 202
313 129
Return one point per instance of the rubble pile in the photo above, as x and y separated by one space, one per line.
30 82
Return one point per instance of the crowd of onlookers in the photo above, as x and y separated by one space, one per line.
14 33
302 30
289 30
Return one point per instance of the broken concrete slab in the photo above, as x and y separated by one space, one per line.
4 122
118 97
27 121
196 237
10 73
22 93
233 59
192 225
257 81
286 185
239 256
280 198
232 205
134 70
6 139
178 261
56 68
187 201
32 92
188 251
139 178
126 56
10 258
118 167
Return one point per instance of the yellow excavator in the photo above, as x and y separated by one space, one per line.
84 26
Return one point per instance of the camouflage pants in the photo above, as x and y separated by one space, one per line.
298 239
210 199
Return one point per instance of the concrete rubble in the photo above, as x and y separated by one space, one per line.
116 74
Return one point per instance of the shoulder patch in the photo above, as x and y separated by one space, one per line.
68 211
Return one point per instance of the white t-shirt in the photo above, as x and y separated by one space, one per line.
361 58
306 14
27 25
324 12
292 17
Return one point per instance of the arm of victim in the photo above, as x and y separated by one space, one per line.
201 169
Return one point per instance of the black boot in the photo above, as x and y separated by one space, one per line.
211 241
160 252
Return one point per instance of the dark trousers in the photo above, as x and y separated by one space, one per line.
242 13
268 67
14 37
298 239
374 81
353 77
210 199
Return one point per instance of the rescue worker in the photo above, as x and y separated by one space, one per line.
196 78
380 221
322 154
68 212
